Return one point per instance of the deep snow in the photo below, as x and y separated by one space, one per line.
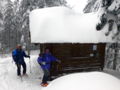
10 81
85 81
63 25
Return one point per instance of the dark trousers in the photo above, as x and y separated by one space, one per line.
46 75
19 68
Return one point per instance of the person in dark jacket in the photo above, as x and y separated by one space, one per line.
18 56
45 60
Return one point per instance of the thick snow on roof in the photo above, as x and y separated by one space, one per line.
85 81
63 25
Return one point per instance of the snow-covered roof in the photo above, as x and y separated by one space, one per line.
63 25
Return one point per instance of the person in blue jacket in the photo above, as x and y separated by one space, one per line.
18 56
45 60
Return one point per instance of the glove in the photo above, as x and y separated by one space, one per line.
43 63
58 61
28 56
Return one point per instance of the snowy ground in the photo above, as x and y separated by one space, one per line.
85 81
10 81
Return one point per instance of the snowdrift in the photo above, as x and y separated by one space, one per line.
85 81
63 25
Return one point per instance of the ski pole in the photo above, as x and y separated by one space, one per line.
21 78
30 65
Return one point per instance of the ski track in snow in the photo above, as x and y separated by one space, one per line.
10 81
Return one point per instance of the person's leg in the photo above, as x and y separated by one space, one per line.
46 76
24 68
18 69
44 80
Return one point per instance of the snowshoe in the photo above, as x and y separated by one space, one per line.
26 75
44 84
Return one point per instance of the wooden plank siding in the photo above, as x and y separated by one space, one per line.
76 57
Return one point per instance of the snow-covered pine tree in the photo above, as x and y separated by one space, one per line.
28 5
2 11
111 8
1 25
90 6
11 33
14 20
8 19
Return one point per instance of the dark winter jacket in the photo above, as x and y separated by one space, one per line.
45 60
18 56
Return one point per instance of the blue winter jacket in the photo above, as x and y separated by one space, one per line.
18 56
47 58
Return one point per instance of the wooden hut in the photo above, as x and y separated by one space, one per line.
76 57
70 38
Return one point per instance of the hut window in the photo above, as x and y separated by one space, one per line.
94 54
94 47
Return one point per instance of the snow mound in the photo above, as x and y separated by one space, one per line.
61 25
85 81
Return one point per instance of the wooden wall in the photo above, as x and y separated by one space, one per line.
76 57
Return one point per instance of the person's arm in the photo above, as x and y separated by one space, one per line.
14 56
25 55
55 59
39 60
